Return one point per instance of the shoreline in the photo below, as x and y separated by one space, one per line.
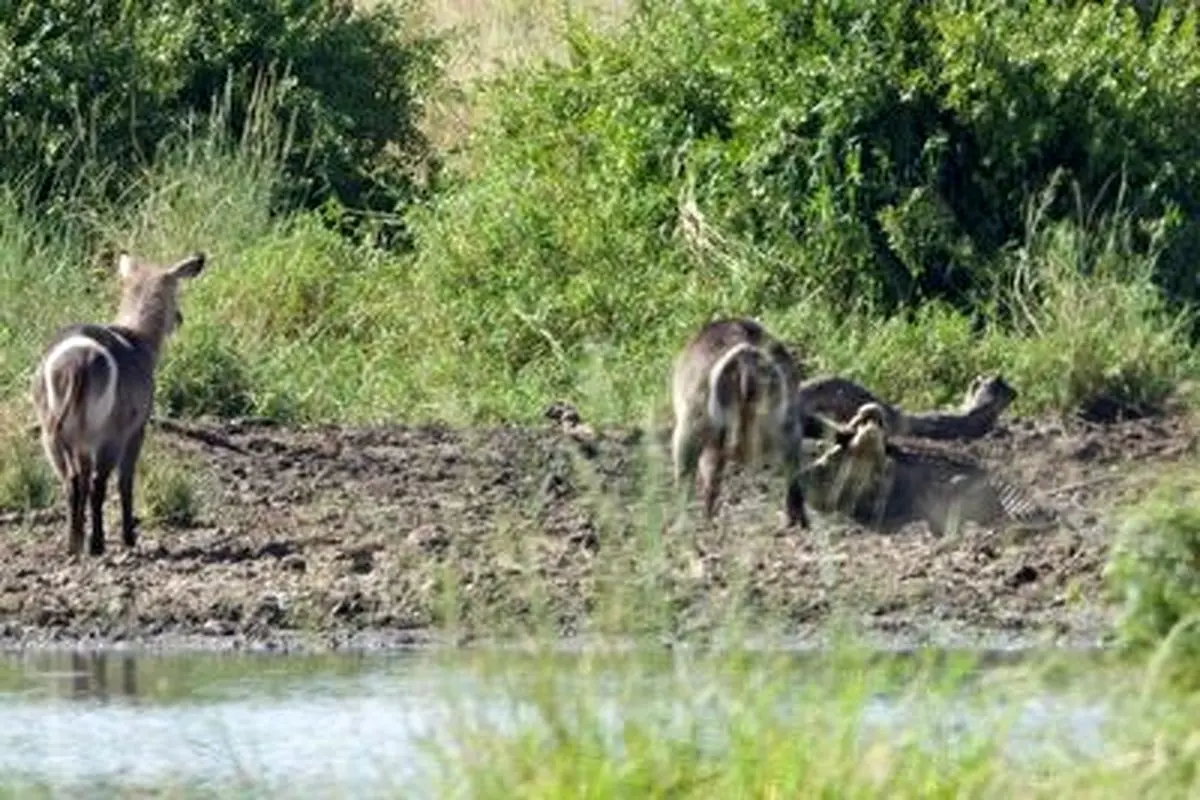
332 538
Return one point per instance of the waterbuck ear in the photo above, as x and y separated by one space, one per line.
125 265
189 267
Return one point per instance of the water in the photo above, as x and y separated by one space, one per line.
362 724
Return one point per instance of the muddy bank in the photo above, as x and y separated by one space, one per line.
330 536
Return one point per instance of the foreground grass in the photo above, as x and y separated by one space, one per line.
759 725
723 722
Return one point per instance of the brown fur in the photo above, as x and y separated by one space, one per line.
733 392
885 486
93 391
985 400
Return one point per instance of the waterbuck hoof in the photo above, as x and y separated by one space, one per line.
789 523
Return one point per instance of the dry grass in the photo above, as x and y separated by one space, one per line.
497 35
490 37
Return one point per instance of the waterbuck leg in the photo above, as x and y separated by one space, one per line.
76 484
794 504
685 453
80 480
712 463
125 473
103 468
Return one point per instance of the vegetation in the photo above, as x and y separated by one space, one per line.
95 89
26 481
749 726
926 184
1155 570
909 193
168 491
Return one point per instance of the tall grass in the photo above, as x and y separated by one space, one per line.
738 724
292 321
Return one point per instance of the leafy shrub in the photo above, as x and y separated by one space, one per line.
92 88
1092 331
26 480
879 154
168 494
1155 568
204 374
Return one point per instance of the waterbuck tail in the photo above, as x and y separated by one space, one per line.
733 390
72 359
73 399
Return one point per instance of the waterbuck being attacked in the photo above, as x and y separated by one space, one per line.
886 486
94 389
734 396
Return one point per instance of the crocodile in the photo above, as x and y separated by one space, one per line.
839 398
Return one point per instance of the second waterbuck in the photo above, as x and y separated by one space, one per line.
93 392
734 395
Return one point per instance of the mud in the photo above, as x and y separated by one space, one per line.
330 536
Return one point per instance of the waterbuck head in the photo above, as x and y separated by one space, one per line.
869 414
849 470
149 295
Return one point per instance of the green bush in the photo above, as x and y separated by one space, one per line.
26 479
819 165
204 374
824 165
168 494
1155 569
92 88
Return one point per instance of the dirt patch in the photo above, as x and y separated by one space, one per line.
340 535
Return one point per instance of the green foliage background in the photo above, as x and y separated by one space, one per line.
94 90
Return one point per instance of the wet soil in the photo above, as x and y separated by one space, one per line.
334 536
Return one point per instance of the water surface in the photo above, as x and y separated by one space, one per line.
362 724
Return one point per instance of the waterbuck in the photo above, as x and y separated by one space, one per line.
94 389
733 389
885 485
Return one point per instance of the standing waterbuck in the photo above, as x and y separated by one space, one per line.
94 389
734 394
